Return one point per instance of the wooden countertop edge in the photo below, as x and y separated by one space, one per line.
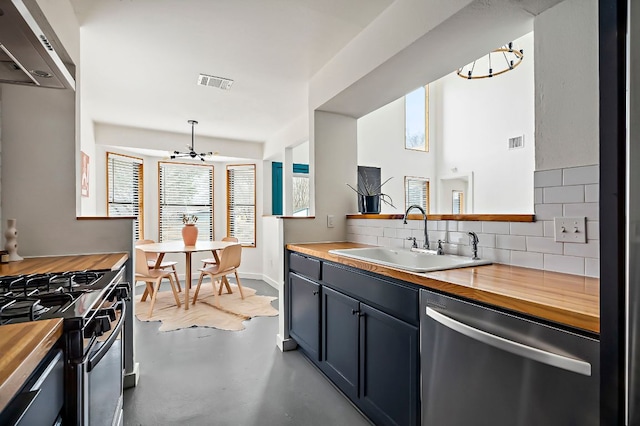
581 320
461 217
43 342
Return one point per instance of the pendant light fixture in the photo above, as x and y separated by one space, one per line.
497 62
192 153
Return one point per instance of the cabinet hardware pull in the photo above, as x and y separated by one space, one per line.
315 292
355 311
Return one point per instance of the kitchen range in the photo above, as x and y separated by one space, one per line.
80 380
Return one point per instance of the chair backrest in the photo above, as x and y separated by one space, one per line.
148 256
232 239
230 257
142 267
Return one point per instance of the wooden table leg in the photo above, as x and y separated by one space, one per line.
187 279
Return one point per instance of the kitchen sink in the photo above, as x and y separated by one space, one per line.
410 260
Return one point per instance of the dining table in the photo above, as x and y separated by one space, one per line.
178 246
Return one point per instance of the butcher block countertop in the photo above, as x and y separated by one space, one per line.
41 265
571 300
22 347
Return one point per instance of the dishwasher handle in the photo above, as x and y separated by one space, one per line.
546 357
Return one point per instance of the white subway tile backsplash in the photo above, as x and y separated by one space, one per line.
437 235
414 224
547 178
403 233
547 211
592 193
365 239
543 245
527 228
580 175
527 259
467 226
496 255
384 241
452 225
537 195
511 242
451 249
563 194
591 249
565 264
589 210
373 231
549 230
432 225
389 232
466 251
459 238
592 268
593 230
486 240
495 227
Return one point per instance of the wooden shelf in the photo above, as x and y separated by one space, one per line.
470 217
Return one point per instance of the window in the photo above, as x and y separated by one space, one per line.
416 111
457 198
300 189
185 188
124 189
416 191
241 203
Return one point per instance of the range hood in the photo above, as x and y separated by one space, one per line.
30 52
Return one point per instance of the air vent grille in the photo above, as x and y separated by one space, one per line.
517 142
212 81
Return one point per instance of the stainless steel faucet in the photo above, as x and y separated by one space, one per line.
424 214
473 238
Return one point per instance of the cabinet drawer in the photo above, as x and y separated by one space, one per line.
306 266
394 299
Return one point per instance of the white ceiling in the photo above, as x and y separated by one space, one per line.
140 60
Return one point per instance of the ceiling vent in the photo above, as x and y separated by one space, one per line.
517 142
212 81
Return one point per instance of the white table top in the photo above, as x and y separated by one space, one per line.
178 246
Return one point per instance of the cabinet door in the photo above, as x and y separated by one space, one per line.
304 311
340 323
389 368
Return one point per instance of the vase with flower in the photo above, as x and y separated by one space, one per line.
189 230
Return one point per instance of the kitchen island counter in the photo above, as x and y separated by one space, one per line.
571 300
22 347
57 264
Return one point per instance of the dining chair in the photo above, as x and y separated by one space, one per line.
165 264
229 262
210 261
152 279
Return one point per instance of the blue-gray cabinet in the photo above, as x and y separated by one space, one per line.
362 332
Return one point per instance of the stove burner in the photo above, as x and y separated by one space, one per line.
12 307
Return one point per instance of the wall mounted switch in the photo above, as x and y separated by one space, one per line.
570 229
330 221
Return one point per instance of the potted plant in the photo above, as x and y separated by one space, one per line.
371 194
189 230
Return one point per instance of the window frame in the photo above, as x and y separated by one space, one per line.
212 197
427 191
140 162
255 205
426 122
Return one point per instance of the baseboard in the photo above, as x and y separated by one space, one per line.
285 344
273 283
131 379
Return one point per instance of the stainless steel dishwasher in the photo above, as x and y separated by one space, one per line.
481 366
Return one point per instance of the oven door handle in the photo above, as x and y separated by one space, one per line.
95 358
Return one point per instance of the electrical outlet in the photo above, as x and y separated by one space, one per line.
570 229
330 221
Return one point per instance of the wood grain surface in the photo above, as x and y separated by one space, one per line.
571 300
22 347
469 217
41 265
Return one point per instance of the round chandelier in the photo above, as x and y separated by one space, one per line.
497 62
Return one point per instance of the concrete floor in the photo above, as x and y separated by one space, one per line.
205 376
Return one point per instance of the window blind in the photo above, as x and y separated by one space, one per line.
124 189
185 189
416 192
241 203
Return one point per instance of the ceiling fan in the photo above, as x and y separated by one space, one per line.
192 153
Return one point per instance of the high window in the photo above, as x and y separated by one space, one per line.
300 189
416 191
241 203
185 189
124 189
416 112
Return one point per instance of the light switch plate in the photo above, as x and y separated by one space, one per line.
330 223
570 229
